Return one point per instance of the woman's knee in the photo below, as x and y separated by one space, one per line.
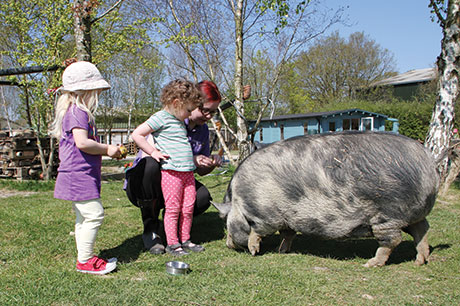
152 169
203 200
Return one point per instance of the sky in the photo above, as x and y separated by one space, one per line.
404 27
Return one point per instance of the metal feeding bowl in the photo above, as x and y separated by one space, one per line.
177 267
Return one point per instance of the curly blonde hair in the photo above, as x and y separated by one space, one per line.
184 91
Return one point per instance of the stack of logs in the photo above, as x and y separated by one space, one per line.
20 157
131 147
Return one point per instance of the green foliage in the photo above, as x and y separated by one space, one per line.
37 30
438 7
115 35
182 36
296 97
281 9
334 68
38 35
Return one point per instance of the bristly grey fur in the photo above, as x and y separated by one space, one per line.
333 185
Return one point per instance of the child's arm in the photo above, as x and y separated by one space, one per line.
93 147
139 135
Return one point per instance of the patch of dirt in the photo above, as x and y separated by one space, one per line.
112 173
5 193
112 169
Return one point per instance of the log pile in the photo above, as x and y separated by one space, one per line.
20 157
131 147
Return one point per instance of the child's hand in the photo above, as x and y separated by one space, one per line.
158 156
113 151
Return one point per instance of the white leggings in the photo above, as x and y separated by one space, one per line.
90 215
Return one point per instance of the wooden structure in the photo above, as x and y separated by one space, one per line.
19 155
287 126
406 85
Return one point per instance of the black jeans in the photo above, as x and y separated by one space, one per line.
144 190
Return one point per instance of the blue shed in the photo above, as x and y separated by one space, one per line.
287 126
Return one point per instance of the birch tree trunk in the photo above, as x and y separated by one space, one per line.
225 150
454 168
442 120
7 115
47 166
242 132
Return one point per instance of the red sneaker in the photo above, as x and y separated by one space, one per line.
97 265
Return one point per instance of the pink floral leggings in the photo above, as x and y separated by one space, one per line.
179 193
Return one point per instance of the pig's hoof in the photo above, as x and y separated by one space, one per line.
254 250
422 257
373 262
421 262
254 242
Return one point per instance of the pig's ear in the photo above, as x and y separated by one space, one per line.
223 208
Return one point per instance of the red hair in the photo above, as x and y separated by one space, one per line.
210 90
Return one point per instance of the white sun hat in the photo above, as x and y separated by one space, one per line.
83 76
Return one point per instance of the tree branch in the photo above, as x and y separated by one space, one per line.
437 11
107 12
27 70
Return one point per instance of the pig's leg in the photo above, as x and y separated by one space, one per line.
287 236
419 232
230 243
388 239
254 242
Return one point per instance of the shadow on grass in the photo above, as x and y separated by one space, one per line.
347 249
217 185
128 251
206 228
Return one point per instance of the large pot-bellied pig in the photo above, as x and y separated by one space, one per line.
336 185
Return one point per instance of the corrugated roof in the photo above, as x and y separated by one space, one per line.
323 115
409 77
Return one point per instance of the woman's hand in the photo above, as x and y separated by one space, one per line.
202 161
205 165
217 159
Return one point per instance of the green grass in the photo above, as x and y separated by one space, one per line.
37 261
27 185
114 162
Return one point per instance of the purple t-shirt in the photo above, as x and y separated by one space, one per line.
199 139
79 173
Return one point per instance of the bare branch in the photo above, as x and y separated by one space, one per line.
259 118
118 3
437 11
